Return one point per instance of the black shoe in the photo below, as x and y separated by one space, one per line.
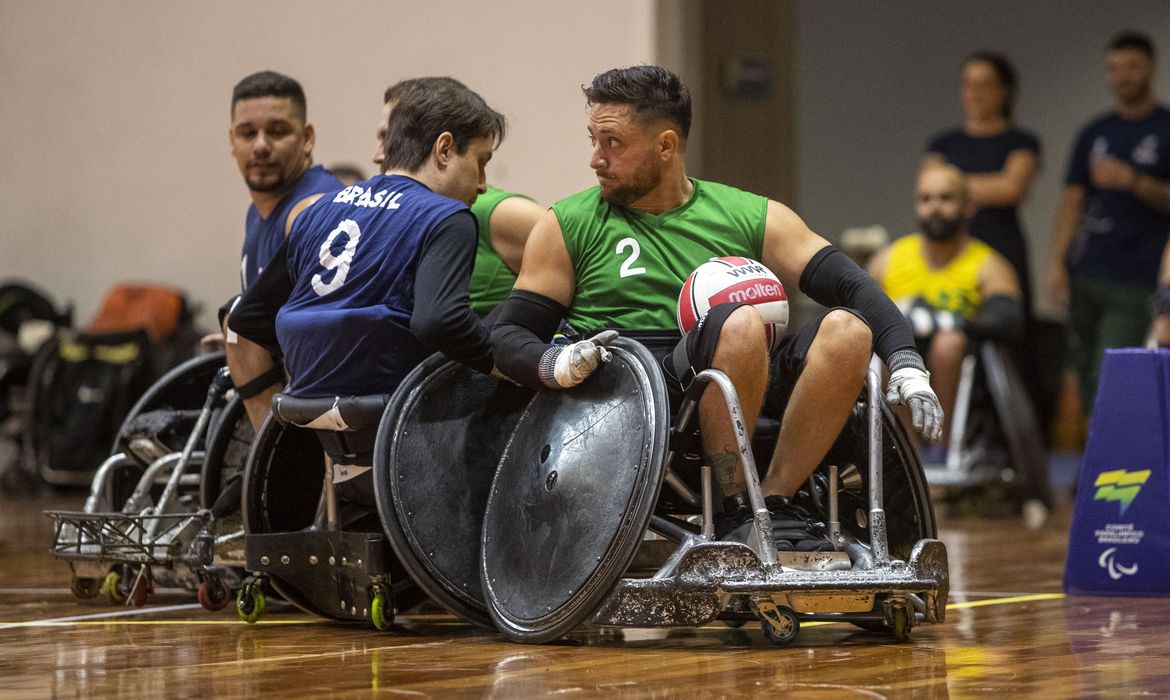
792 527
795 527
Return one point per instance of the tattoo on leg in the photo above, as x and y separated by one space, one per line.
723 465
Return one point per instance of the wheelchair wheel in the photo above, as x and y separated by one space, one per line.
573 495
228 441
183 388
438 445
1019 426
282 489
906 496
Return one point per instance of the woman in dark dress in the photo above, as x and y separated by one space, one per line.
1000 160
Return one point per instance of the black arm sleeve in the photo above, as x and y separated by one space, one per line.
442 318
998 317
521 336
255 316
832 279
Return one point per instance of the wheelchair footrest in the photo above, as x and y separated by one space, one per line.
132 539
690 590
333 570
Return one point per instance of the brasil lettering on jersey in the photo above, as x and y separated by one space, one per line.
359 196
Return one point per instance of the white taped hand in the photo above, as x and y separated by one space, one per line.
574 363
911 387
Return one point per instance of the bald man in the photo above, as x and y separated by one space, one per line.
950 285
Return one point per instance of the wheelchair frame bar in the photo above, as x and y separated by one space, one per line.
219 386
129 538
761 517
878 535
102 486
962 411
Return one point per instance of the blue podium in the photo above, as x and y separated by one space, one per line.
1119 543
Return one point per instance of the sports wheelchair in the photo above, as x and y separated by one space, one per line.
434 446
995 443
154 512
524 512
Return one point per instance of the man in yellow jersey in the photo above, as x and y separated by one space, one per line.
950 285
504 219
613 258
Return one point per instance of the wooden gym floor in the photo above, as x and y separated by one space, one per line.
1010 631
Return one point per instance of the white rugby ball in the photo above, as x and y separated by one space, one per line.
734 279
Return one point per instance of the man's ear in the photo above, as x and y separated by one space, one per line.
668 144
444 149
310 138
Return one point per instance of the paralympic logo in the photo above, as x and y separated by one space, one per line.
1115 570
1121 486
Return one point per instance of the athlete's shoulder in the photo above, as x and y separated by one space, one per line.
585 204
317 180
708 189
907 243
489 200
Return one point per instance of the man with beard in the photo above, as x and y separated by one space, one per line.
272 143
613 258
950 285
1112 223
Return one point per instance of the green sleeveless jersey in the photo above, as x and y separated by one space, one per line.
630 265
491 280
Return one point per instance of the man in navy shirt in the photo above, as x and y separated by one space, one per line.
1114 217
372 278
272 143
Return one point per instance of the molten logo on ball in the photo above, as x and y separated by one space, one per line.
734 280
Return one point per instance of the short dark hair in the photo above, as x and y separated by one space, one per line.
397 90
1130 39
1006 74
653 92
427 108
268 83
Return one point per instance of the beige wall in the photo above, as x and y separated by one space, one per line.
115 115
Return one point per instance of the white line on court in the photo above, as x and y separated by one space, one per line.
101 616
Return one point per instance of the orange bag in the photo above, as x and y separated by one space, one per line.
155 308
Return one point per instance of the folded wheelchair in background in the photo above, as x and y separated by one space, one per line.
158 512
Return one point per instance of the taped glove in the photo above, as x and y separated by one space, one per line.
565 366
911 387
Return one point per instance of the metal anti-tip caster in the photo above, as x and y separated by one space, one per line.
84 587
901 624
382 608
780 624
213 593
111 586
250 601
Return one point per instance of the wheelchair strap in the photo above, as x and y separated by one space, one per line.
274 375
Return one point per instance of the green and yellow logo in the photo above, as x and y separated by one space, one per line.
1120 485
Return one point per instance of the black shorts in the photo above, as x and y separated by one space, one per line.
682 359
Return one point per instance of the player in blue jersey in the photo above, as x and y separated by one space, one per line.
505 219
272 142
373 278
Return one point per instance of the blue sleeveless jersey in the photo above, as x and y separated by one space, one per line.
263 236
345 329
